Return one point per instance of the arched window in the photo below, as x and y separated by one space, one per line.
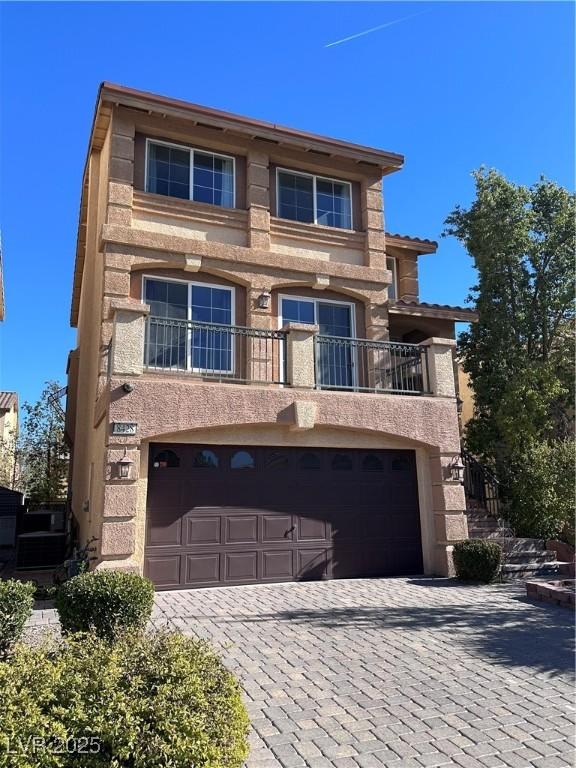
342 462
242 460
371 463
400 465
205 460
309 461
165 459
277 460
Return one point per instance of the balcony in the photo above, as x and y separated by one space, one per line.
294 356
297 356
215 352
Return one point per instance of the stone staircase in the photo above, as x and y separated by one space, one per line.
521 558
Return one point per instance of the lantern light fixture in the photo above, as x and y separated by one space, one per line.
264 300
457 469
125 466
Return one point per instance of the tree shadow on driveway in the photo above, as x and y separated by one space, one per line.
513 632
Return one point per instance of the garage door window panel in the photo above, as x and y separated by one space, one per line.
205 460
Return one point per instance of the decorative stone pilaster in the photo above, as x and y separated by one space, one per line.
258 199
300 366
121 172
448 505
407 278
373 223
440 366
127 353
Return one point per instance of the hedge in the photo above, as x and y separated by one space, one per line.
161 700
16 601
105 602
477 560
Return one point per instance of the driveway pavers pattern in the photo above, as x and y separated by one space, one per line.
406 673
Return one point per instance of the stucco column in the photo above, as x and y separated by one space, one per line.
127 353
300 360
448 505
373 223
258 200
440 366
121 173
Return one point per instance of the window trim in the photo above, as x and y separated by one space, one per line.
314 177
190 284
394 276
191 151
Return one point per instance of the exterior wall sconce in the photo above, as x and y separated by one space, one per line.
264 300
457 469
125 466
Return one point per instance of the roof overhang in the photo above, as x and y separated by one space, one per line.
414 245
368 159
440 311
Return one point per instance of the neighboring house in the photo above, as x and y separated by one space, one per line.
466 394
257 393
8 437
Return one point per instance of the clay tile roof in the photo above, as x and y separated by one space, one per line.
419 244
7 400
470 314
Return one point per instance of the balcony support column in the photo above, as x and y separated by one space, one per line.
301 371
127 352
440 365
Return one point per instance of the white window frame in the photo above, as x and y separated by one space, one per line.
349 304
190 283
191 151
394 271
314 178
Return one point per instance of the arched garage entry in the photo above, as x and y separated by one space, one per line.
237 514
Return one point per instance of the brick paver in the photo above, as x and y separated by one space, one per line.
406 673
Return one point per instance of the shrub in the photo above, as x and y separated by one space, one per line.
105 602
161 700
477 560
16 601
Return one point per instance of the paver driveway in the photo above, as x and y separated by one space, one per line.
392 672
405 673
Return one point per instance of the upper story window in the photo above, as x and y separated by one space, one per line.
314 199
393 287
189 174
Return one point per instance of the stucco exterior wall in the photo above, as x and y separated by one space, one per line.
129 231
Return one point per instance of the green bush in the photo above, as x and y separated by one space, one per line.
161 700
16 601
105 602
477 560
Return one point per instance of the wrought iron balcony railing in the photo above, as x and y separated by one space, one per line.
364 365
216 352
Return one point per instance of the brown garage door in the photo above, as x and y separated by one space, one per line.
221 515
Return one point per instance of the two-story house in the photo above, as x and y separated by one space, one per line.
257 393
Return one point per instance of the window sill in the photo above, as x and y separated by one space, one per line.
179 208
307 231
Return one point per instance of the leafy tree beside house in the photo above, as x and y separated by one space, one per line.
43 451
520 354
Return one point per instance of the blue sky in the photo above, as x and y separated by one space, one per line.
455 86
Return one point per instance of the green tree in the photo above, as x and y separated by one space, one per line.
44 454
520 353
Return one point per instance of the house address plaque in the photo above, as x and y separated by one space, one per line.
125 428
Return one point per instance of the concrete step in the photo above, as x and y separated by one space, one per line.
513 544
529 558
530 570
484 533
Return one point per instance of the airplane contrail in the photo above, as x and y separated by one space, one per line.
375 29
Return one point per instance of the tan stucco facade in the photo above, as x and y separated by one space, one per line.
126 232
